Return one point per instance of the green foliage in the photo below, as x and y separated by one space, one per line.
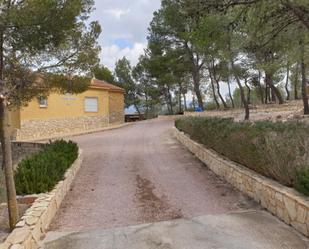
302 181
103 73
124 78
40 172
276 150
42 38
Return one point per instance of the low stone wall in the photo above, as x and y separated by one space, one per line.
285 203
22 149
35 129
116 117
34 223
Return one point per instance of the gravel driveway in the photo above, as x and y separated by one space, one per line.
140 174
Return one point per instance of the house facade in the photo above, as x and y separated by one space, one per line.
101 105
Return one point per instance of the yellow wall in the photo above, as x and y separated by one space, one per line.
66 106
116 102
14 116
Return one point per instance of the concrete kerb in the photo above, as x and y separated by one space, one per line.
285 203
34 223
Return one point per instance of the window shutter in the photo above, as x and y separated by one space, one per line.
91 104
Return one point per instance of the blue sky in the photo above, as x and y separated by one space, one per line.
124 24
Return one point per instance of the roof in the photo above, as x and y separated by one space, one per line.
100 84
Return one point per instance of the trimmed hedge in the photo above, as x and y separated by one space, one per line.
274 149
40 172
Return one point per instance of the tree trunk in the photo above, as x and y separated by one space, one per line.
170 101
276 92
273 96
220 96
180 104
266 93
296 82
260 88
196 84
249 92
242 93
303 77
213 89
287 82
8 165
137 109
230 93
193 103
185 102
147 105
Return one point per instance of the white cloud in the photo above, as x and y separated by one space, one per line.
127 20
110 54
117 13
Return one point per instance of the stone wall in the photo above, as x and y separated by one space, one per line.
116 108
116 118
283 202
36 129
35 222
22 149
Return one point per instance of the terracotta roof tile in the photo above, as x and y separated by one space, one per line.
104 85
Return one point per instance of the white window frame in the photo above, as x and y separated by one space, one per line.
92 109
43 102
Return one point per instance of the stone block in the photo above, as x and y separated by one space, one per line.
290 206
18 235
279 197
5 245
300 227
17 246
36 232
29 243
32 220
301 214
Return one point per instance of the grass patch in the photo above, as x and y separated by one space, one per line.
276 150
41 171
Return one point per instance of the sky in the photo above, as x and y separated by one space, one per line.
124 24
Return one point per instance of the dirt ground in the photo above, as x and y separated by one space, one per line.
288 111
4 219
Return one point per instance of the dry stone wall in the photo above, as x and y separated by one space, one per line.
36 129
35 222
116 118
22 149
283 202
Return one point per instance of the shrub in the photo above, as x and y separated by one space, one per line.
302 181
40 172
276 150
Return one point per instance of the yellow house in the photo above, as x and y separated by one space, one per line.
102 104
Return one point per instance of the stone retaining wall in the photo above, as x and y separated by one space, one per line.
22 149
35 129
34 223
285 203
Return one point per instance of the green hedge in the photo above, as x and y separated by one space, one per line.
40 172
276 150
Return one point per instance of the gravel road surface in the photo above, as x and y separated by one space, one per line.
140 174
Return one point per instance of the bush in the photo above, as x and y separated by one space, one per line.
276 150
302 181
40 172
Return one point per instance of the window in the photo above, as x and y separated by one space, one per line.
42 102
91 104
